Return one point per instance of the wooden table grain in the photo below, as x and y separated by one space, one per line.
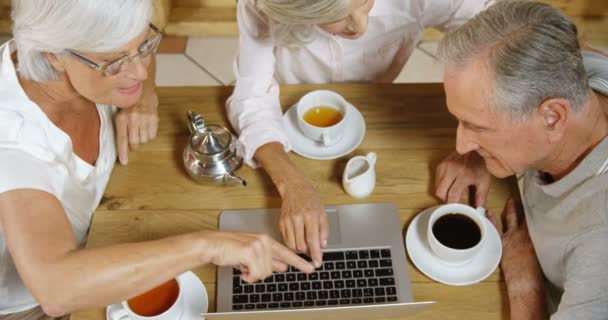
408 126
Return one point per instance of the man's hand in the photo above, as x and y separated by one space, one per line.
457 172
256 255
136 125
520 267
303 222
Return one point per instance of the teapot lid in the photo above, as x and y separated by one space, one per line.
207 139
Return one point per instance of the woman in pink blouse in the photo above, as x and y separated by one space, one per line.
318 41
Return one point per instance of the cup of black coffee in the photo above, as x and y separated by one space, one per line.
456 232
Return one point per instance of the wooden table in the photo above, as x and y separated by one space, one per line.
408 126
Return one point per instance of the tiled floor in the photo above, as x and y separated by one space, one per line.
422 66
180 70
215 55
209 61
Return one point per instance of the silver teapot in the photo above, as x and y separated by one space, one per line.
210 155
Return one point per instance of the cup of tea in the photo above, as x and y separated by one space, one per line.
164 302
322 115
456 232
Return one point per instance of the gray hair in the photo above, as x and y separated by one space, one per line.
532 49
291 22
52 26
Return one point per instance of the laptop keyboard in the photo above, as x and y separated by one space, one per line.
347 277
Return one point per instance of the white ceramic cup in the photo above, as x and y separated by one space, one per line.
451 255
327 136
359 178
174 312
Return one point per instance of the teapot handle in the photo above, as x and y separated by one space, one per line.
196 122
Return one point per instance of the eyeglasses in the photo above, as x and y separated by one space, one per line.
117 66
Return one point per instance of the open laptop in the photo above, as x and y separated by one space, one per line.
364 273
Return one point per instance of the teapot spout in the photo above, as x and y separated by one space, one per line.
230 178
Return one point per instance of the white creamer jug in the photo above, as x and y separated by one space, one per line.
359 177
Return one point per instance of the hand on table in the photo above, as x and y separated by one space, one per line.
519 263
304 225
256 255
136 125
457 172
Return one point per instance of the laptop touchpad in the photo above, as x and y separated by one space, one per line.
334 227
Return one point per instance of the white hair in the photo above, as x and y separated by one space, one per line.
291 22
52 26
533 51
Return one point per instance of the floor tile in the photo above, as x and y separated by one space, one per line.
214 54
421 67
429 47
173 44
173 70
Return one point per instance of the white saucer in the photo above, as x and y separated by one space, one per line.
428 263
354 131
195 299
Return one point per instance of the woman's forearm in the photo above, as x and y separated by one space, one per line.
64 278
277 164
87 278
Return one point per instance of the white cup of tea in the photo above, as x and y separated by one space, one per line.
456 232
359 178
165 302
322 115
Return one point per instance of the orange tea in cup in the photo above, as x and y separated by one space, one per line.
322 116
156 301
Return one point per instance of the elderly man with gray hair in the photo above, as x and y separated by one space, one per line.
529 103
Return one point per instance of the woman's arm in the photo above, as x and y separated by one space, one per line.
303 223
64 278
254 111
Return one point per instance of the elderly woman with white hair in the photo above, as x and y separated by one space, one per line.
318 41
60 79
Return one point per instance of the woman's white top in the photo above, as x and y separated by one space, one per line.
394 28
35 154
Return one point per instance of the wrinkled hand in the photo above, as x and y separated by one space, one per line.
303 222
457 172
256 255
136 125
519 263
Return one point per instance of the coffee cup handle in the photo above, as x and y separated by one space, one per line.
481 211
118 313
